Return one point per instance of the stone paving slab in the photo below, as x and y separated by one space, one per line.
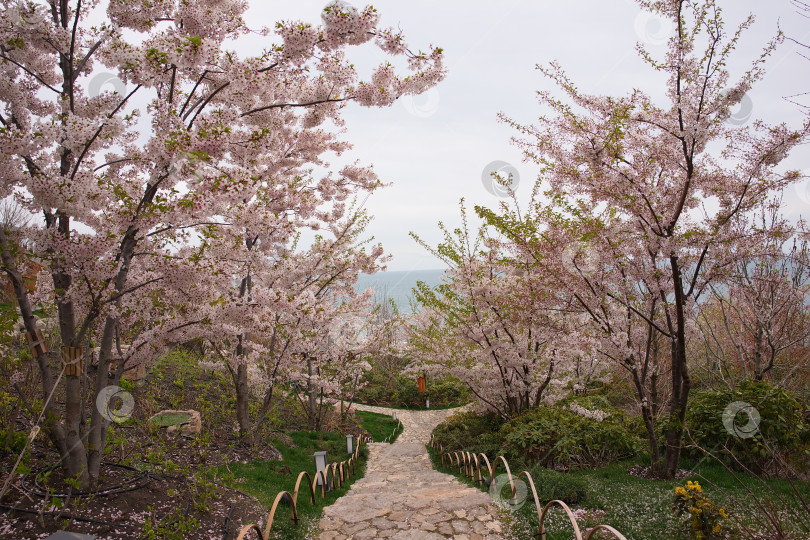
402 497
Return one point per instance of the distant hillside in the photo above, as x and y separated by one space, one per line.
398 285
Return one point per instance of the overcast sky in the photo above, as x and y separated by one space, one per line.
434 148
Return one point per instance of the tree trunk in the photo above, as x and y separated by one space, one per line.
263 410
242 396
654 392
241 382
51 426
311 393
758 371
652 439
649 424
319 422
268 395
76 458
98 423
681 382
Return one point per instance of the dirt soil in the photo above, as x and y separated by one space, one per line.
151 478
134 495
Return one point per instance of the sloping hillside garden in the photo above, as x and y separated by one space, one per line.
181 331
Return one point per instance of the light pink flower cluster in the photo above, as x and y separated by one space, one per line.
174 175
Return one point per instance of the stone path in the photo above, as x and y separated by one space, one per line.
402 497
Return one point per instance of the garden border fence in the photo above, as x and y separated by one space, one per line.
469 465
392 437
335 472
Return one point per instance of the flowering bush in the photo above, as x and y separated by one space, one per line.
704 517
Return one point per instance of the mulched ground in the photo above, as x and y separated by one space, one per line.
123 515
156 484
135 495
647 473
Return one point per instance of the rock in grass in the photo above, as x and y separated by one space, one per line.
188 422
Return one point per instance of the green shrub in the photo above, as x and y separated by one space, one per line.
594 400
378 388
12 442
448 391
555 437
406 393
402 391
782 429
127 385
470 432
620 393
552 485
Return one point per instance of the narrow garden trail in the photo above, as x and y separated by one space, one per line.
403 497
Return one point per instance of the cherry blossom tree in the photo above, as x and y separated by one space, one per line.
296 312
757 324
583 259
127 178
673 172
494 325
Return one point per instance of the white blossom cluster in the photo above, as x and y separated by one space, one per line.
594 414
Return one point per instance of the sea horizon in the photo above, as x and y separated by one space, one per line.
397 285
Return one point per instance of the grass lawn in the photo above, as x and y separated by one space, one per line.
265 479
379 426
642 509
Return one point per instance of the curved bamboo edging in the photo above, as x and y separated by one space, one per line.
340 473
394 433
471 464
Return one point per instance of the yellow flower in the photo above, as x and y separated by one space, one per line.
716 529
723 512
680 491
